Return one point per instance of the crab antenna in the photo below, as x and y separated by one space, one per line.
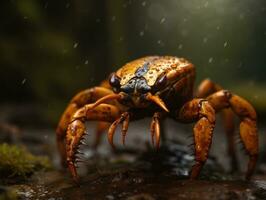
157 100
104 99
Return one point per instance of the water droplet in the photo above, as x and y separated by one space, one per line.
180 46
75 45
86 62
205 40
210 60
206 4
141 33
143 3
159 41
162 20
225 44
23 81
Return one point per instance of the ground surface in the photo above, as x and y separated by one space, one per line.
150 175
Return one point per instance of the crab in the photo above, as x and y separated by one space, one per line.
157 87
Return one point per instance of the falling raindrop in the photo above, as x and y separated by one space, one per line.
86 62
23 81
225 44
162 20
210 60
75 45
141 33
205 40
180 46
143 3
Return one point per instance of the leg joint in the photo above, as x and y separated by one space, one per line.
206 110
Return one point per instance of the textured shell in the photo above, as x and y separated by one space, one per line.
157 66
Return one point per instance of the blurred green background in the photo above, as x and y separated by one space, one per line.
49 50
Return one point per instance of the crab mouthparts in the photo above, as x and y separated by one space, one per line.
149 97
157 100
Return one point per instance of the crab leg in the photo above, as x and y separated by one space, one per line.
79 100
76 129
201 111
248 122
100 129
206 88
156 130
124 119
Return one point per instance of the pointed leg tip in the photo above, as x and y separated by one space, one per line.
73 170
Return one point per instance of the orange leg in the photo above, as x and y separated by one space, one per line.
206 88
248 122
76 129
201 111
82 98
156 129
124 119
100 129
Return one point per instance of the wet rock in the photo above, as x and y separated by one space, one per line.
141 197
151 175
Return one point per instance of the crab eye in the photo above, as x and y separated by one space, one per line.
114 80
160 83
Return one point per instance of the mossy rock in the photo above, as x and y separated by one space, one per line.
18 162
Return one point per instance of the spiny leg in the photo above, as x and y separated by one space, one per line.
201 111
76 129
248 122
79 100
206 88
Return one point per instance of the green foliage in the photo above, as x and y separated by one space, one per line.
18 162
8 194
